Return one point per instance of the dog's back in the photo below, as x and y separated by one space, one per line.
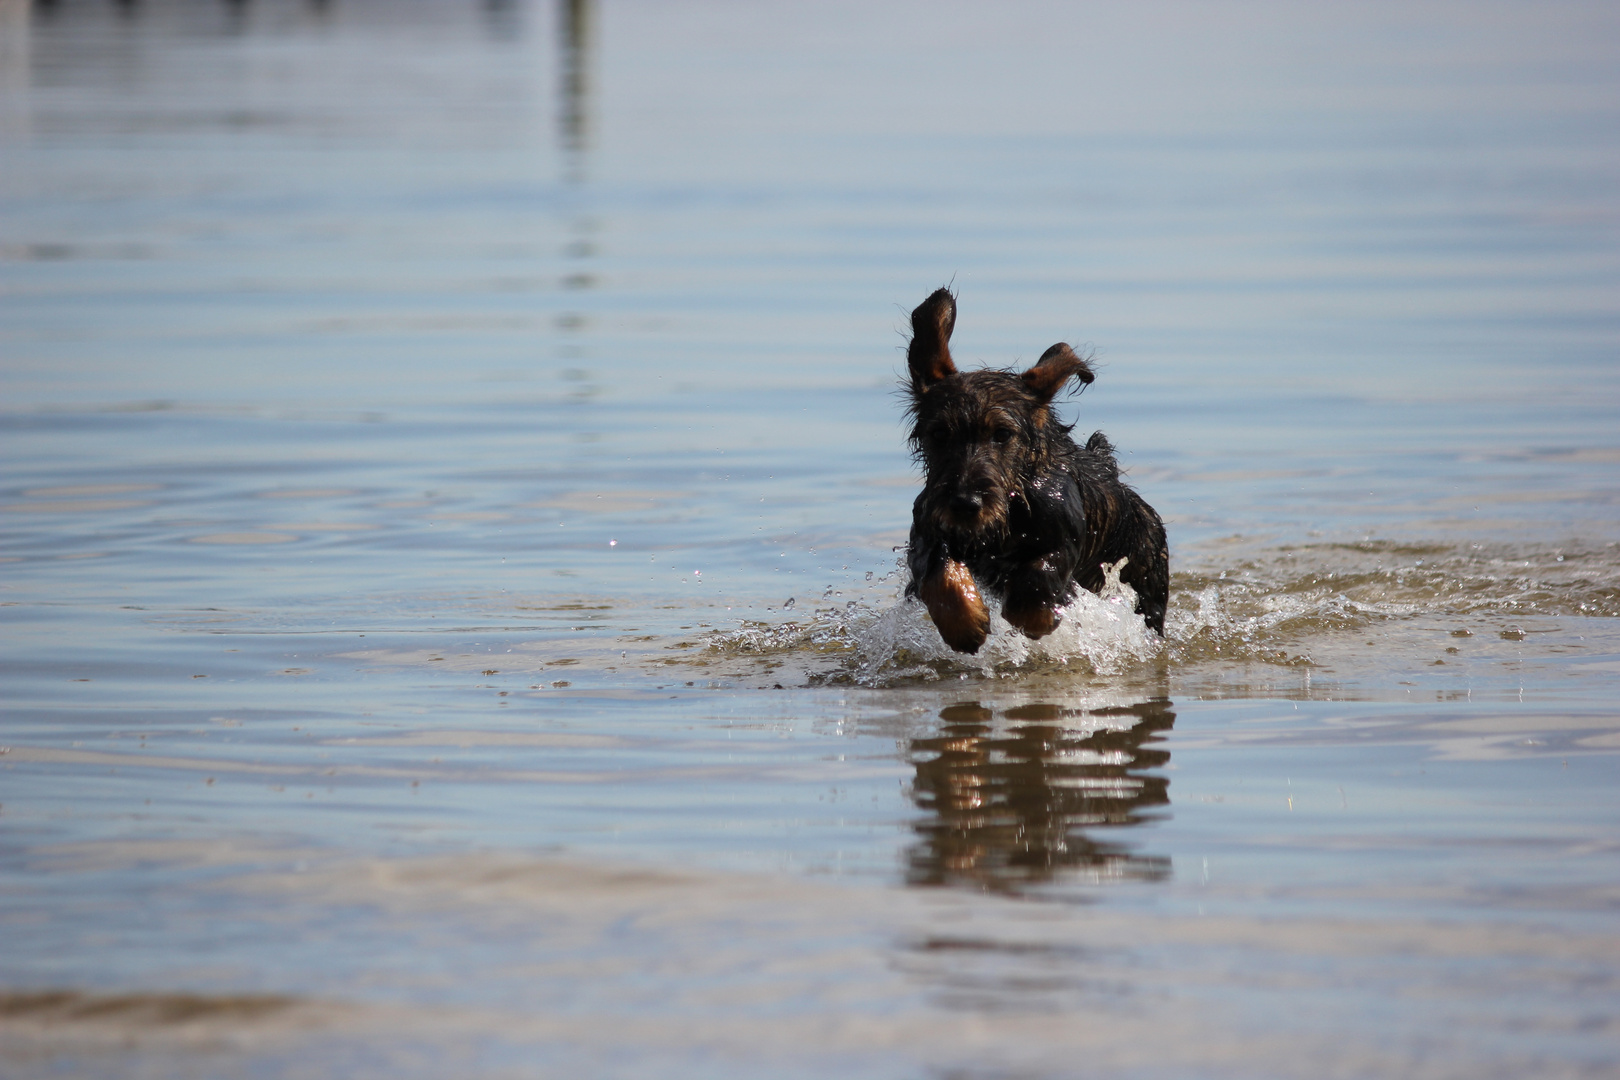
1120 525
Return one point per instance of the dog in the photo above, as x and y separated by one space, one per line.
1010 503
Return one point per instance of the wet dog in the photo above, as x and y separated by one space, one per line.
1011 504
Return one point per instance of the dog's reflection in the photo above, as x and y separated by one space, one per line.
1021 797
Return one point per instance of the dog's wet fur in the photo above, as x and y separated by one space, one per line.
1011 504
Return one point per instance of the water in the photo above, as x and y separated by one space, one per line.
452 488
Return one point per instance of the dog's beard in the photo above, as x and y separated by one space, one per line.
965 533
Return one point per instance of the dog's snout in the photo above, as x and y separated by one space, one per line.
967 503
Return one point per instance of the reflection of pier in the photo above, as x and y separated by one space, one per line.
574 26
575 21
1016 799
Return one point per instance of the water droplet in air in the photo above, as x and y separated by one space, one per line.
788 604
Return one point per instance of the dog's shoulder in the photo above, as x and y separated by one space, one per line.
1055 504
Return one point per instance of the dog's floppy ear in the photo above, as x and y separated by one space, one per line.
929 354
1053 369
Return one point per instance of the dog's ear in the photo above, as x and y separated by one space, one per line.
1053 369
929 354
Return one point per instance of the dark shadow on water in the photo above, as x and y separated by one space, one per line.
1037 793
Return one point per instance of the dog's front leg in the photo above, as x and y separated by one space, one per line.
956 607
1035 592
1039 578
951 595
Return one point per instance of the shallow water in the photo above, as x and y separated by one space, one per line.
450 518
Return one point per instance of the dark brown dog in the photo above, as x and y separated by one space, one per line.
1011 503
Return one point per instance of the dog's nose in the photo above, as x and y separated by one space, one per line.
967 503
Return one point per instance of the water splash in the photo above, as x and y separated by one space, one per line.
1102 632
897 643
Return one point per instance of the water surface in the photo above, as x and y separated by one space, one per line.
453 484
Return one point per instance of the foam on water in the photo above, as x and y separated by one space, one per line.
1270 605
1254 605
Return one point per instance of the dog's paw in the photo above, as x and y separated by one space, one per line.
1036 620
956 607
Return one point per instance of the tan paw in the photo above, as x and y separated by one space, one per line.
1035 620
957 609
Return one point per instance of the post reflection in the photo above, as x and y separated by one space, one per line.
503 19
1021 798
574 25
575 20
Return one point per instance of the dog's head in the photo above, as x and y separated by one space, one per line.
980 435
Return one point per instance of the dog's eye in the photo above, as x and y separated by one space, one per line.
1002 433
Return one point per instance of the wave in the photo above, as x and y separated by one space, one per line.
1265 605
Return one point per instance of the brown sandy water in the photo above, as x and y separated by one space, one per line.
452 484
